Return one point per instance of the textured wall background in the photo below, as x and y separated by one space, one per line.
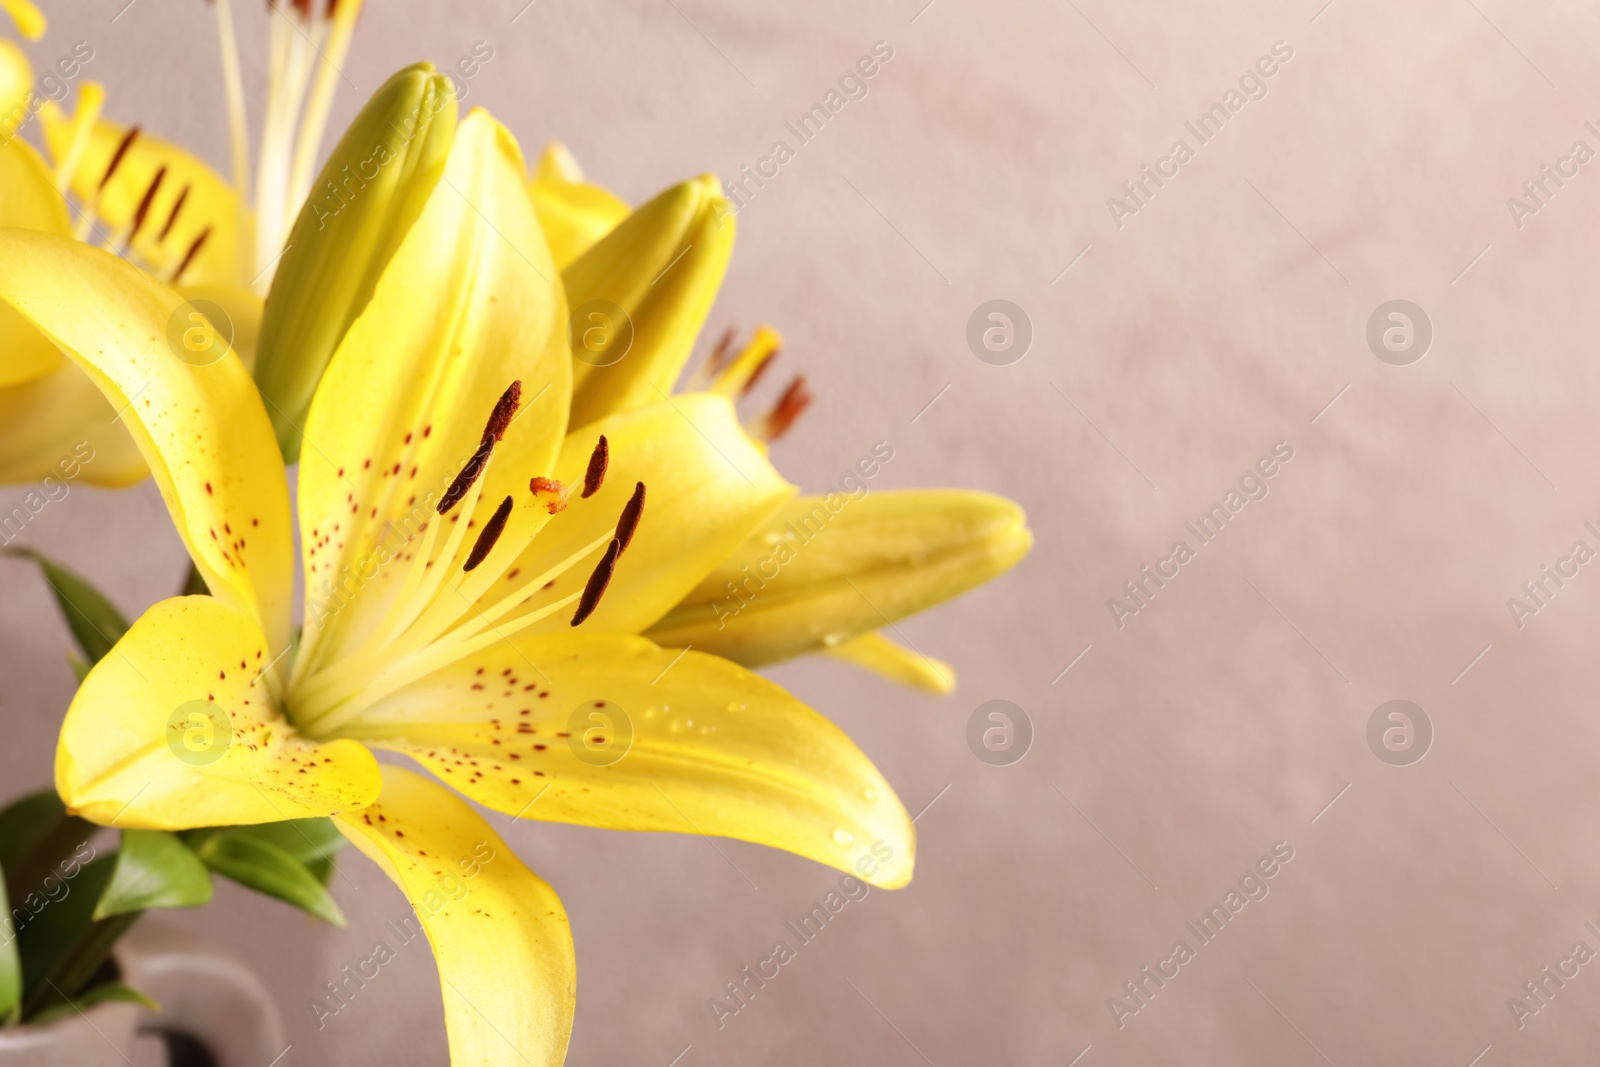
1226 314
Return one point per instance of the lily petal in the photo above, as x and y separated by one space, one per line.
243 308
61 426
28 201
894 661
29 19
661 266
573 213
176 728
201 429
613 732
16 80
826 569
500 936
468 305
209 200
708 486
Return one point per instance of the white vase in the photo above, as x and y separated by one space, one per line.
205 994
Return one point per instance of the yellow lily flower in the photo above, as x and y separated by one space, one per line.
482 622
164 209
788 590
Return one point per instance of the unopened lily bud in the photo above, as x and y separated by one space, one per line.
359 211
826 569
639 297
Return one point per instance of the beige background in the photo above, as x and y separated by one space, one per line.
1221 319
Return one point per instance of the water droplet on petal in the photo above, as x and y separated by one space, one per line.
735 707
870 794
843 837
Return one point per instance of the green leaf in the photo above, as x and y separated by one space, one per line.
314 842
254 861
99 994
40 845
24 820
155 869
10 965
59 925
95 622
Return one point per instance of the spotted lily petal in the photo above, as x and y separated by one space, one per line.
29 201
210 205
468 305
826 569
573 213
660 267
894 661
201 428
499 933
241 310
614 732
177 728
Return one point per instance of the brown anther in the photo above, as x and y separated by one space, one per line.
599 459
790 406
469 474
143 210
719 354
595 589
116 157
172 219
499 418
628 521
491 533
188 257
504 409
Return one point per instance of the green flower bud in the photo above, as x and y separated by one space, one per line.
826 569
363 203
639 297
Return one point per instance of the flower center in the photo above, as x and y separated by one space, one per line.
445 611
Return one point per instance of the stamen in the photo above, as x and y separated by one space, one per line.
491 533
719 354
597 582
740 374
761 368
599 459
143 209
188 257
314 117
172 219
469 474
238 129
790 406
499 418
91 98
504 409
628 522
116 157
553 490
